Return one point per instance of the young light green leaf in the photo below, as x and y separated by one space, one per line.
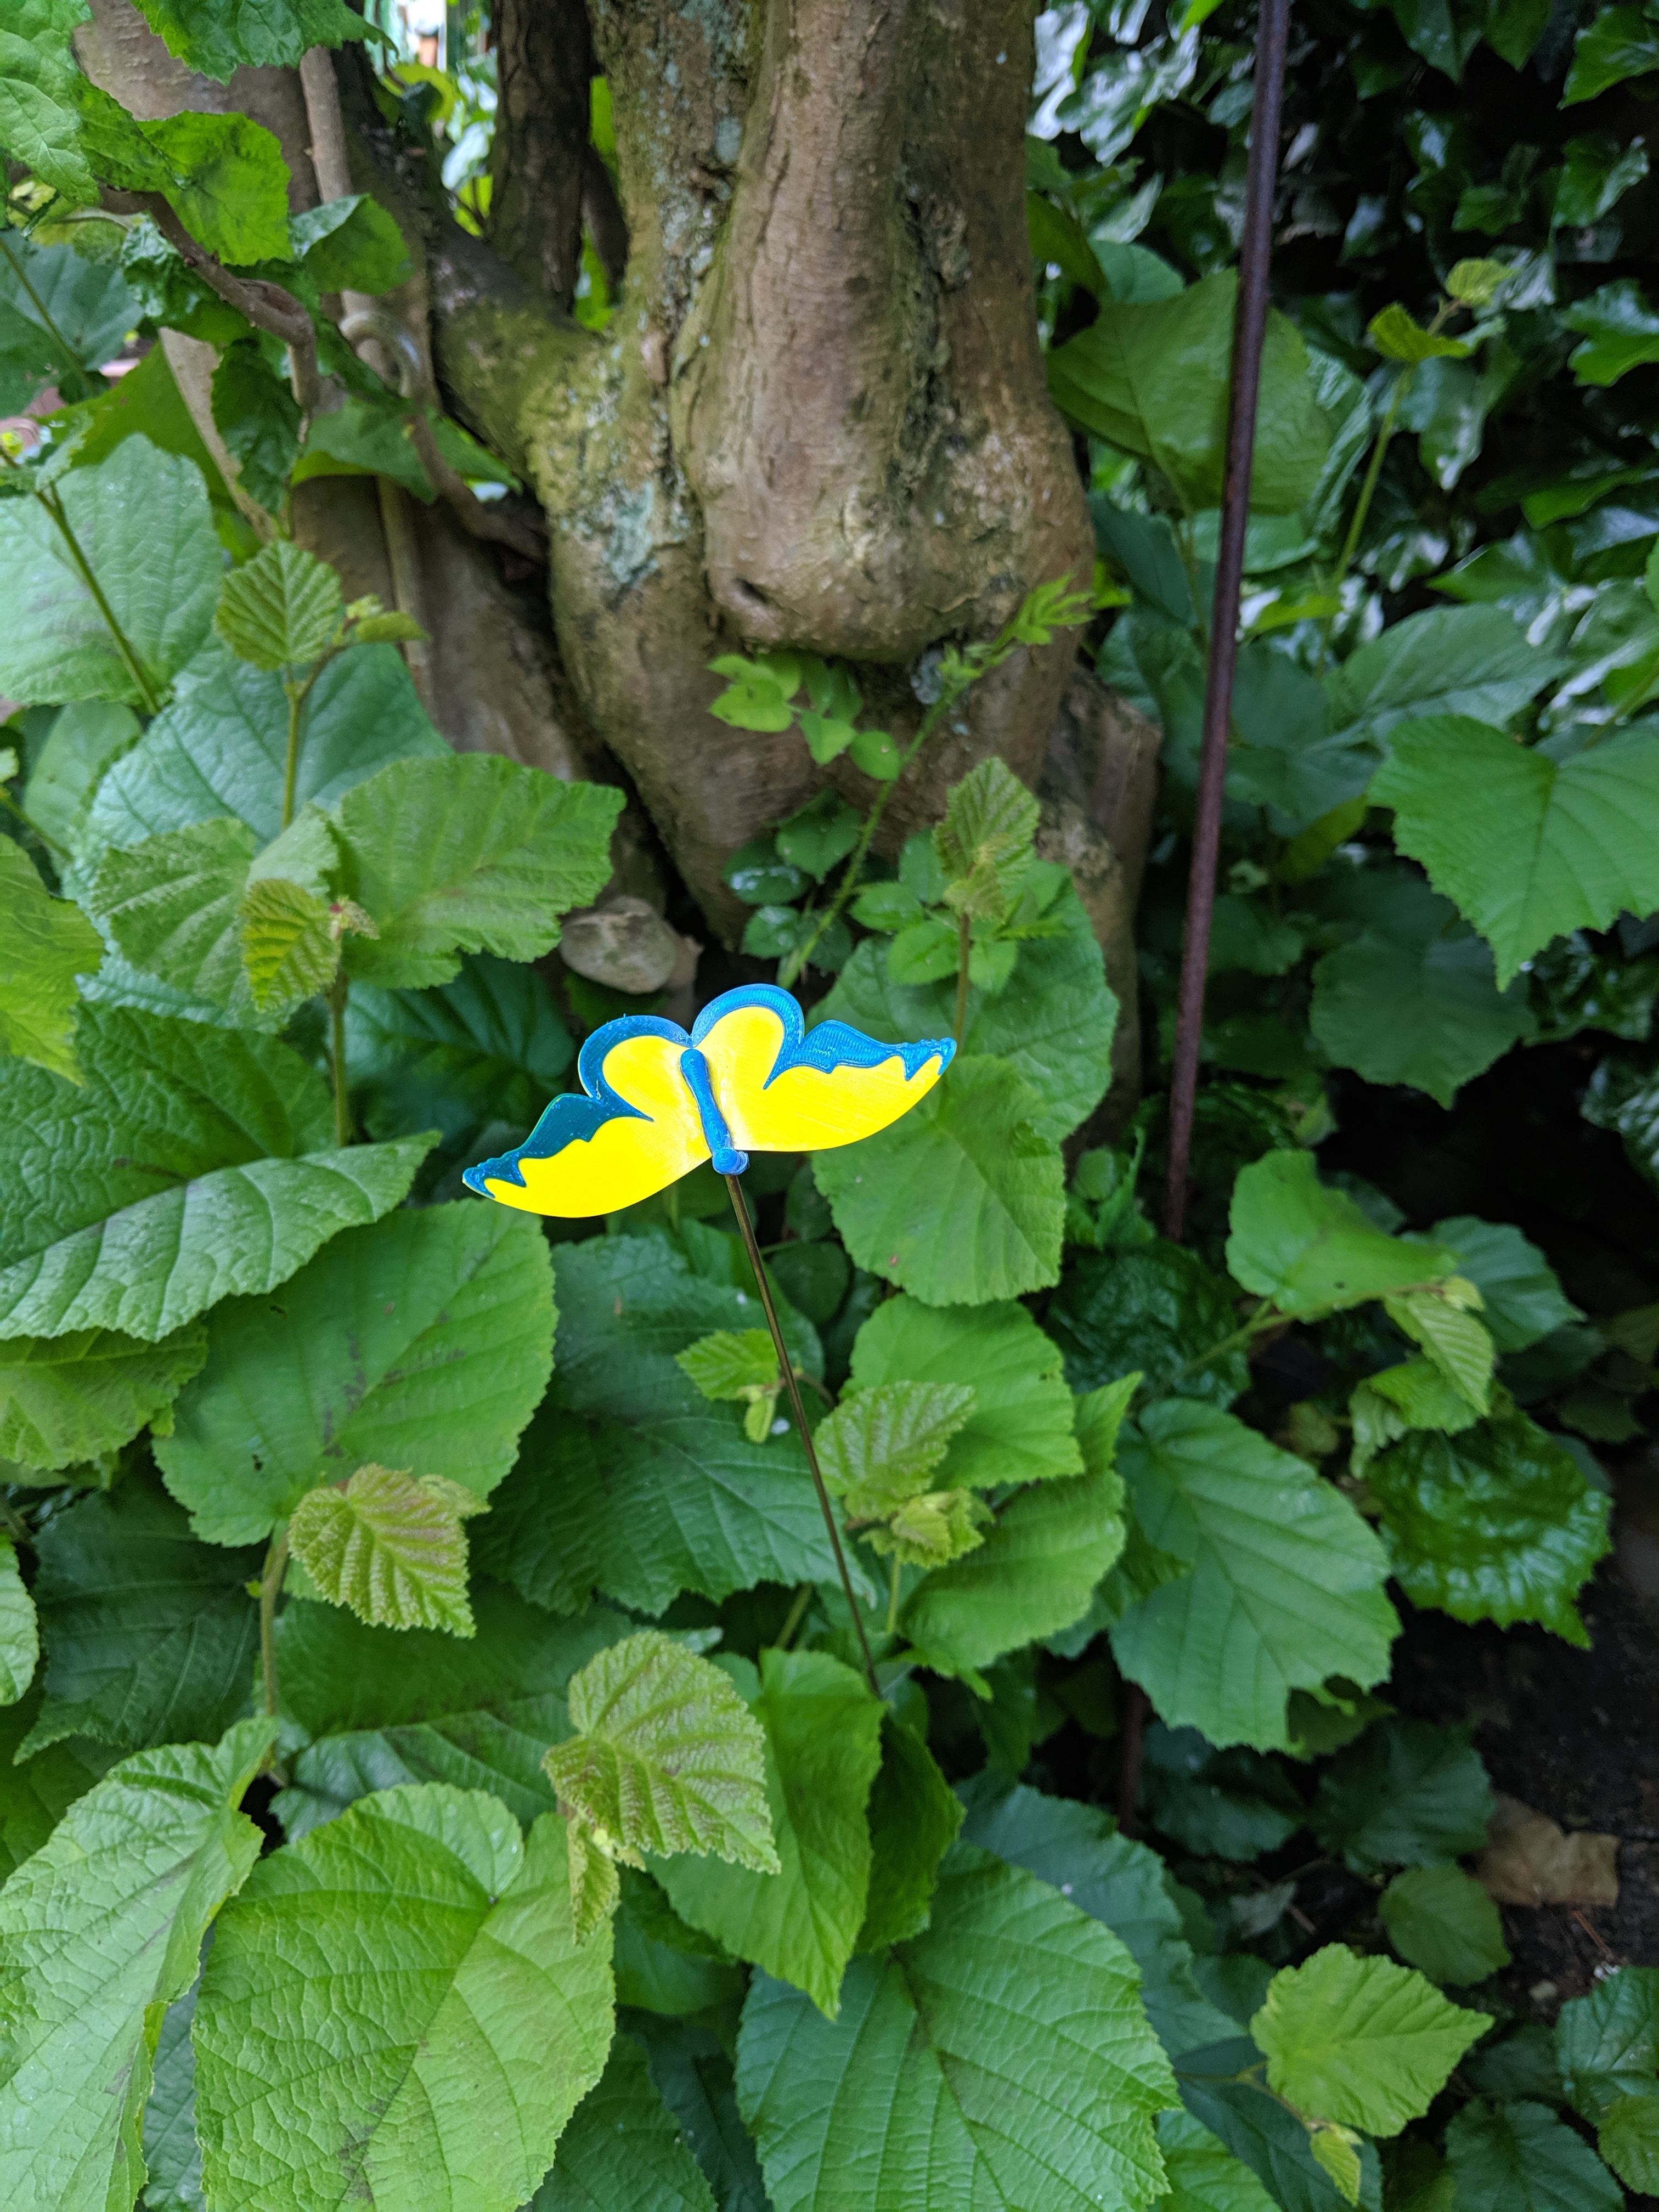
192 1164
800 1919
1608 2046
292 2109
217 40
391 1548
1498 1523
45 943
474 854
1002 2053
1360 2041
343 1369
68 1398
1416 1394
1440 1319
1309 1248
1398 337
984 843
881 1444
149 1636
288 949
102 1929
1286 1587
1018 1426
1520 2158
913 1815
283 609
997 1203
758 692
732 1364
667 1757
1408 1793
622 2152
1580 842
20 1638
931 1529
141 520
1440 1920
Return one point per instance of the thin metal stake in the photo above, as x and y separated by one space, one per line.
1249 329
785 1368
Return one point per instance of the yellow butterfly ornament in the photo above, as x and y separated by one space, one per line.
750 1078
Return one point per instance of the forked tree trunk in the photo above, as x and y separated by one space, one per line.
819 418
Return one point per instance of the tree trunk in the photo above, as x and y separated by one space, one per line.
819 418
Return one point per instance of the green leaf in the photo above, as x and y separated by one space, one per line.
1360 2041
1077 1850
99 1930
1620 43
1520 2158
85 739
666 1758
881 1445
1036 1569
1309 1248
1151 379
1203 2176
1003 2054
378 1706
1413 999
149 1636
390 1547
984 843
224 173
1286 1587
1608 2046
731 1364
350 245
20 1641
326 2066
1454 1341
193 1163
693 2070
1498 1523
46 943
289 950
283 609
141 520
68 1398
995 1207
474 854
1628 2139
913 1815
1018 1426
758 691
1053 1022
1450 661
174 907
622 2152
1397 336
1230 1804
425 1341
799 1921
258 416
1596 173
1441 1920
1408 1793
221 747
38 124
1522 1298
629 1479
1156 1307
1578 841
171 2153
34 1797
216 38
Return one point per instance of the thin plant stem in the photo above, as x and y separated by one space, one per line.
965 954
31 824
14 1523
854 869
70 359
793 1618
271 1589
786 1370
337 991
134 666
893 1597
296 700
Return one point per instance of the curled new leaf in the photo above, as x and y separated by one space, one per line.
390 1547
879 1447
281 609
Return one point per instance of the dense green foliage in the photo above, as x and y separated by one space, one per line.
482 1565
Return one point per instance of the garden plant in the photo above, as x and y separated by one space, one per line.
917 1673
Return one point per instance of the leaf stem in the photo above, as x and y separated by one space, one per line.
786 1369
271 1589
893 1597
337 991
135 668
70 357
31 824
964 953
793 1618
930 721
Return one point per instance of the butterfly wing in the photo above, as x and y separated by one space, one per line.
635 1131
783 1088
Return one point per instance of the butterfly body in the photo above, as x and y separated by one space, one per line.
657 1102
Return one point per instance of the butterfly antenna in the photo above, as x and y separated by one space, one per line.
785 1368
